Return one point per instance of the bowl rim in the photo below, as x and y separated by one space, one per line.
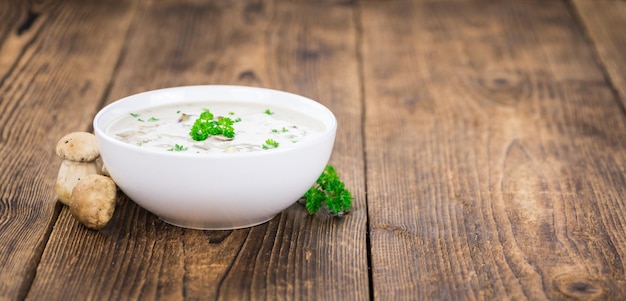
100 131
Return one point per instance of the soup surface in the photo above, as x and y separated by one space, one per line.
257 127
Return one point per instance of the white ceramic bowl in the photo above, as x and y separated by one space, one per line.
215 190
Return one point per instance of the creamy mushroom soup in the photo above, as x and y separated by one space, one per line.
256 127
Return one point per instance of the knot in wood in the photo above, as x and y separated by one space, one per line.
499 81
504 87
579 287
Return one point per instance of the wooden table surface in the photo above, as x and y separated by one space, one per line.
484 143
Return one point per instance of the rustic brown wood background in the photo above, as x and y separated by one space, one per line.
484 142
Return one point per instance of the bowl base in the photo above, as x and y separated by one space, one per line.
200 226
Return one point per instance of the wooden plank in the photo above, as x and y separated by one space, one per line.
495 154
605 22
54 69
307 49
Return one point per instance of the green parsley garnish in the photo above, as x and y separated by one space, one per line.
284 130
329 192
270 143
274 131
205 126
268 112
177 148
153 119
136 115
238 119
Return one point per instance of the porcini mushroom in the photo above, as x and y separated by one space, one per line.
79 152
93 201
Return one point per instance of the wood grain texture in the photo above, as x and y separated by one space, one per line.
604 21
52 71
495 154
304 49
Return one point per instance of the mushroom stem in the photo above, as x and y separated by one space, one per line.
70 173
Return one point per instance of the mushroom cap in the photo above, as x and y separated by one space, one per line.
78 146
93 201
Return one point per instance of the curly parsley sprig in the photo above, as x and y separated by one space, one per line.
270 144
205 126
178 148
329 192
